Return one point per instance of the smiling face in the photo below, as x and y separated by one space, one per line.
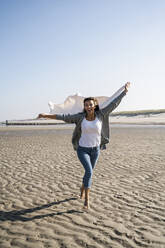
89 107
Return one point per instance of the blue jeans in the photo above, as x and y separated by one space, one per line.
88 156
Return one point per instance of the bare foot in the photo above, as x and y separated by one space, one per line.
86 204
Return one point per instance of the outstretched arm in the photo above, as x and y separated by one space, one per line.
116 101
67 118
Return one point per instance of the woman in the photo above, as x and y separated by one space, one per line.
90 135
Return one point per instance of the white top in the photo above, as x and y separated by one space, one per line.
90 133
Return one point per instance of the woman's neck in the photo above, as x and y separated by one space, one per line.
90 117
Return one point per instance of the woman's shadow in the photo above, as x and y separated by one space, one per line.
18 215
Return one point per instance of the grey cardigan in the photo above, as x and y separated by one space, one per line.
102 115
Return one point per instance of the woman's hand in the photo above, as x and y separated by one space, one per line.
41 116
48 116
127 85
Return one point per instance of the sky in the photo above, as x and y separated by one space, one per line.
56 48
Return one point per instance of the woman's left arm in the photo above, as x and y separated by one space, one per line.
112 105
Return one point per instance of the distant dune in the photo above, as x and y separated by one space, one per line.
147 117
139 112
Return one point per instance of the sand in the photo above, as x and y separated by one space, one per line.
41 178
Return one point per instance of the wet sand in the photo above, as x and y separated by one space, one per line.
40 182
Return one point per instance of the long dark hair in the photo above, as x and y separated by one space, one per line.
95 102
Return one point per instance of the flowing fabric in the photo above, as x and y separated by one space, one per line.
74 104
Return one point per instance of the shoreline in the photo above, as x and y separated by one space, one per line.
125 119
71 127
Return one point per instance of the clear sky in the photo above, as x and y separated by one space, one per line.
55 48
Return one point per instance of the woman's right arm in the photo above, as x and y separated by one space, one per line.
67 118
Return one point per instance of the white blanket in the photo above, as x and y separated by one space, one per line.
74 104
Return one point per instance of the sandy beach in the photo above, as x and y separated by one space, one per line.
40 183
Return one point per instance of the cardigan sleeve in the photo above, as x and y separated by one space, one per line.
69 118
112 105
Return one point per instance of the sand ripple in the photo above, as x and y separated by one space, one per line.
40 181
